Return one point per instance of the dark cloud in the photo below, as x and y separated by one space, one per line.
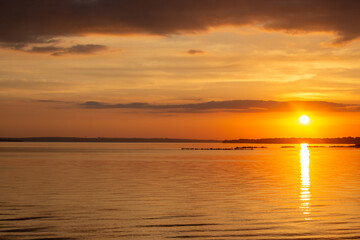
233 106
14 46
49 101
77 49
82 49
194 51
47 49
43 21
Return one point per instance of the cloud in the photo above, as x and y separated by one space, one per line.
44 21
46 49
14 46
230 106
195 51
50 101
76 49
27 84
82 49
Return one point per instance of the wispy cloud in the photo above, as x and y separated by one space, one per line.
29 84
76 49
229 106
194 51
56 50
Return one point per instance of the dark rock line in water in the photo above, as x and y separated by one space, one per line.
254 147
235 148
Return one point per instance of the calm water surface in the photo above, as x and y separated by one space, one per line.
157 191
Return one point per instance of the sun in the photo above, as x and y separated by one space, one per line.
304 119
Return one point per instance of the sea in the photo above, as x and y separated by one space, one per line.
152 191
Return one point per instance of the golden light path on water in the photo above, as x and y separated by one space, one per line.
305 194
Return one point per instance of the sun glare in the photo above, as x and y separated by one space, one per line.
305 195
304 119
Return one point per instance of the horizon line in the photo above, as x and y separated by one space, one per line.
280 140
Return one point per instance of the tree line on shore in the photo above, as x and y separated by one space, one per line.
342 140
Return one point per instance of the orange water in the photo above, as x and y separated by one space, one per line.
157 191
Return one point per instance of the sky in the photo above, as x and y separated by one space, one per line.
205 69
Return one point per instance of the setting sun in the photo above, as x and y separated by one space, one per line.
304 119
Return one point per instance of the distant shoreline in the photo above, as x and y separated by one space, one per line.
99 139
343 140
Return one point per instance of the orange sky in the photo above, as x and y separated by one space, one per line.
145 73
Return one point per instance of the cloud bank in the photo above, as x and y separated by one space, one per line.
76 49
45 21
230 106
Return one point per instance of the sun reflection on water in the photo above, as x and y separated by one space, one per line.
305 194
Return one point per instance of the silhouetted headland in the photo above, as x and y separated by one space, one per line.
342 140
